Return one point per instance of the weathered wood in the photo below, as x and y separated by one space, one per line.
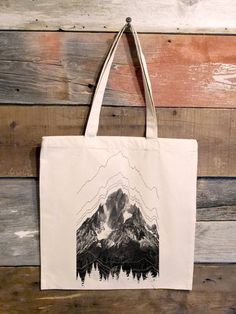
214 292
212 16
19 216
217 213
216 192
62 68
216 199
21 129
215 242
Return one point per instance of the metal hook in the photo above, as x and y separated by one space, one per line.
128 20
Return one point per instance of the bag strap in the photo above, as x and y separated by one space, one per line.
151 120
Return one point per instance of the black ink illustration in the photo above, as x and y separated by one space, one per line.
117 231
116 238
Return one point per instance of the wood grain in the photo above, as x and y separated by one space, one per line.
62 68
215 242
22 127
216 192
216 199
217 213
214 292
212 16
19 216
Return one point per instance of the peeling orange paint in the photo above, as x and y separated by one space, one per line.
185 70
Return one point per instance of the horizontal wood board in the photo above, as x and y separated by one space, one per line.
214 292
211 16
22 127
63 68
19 215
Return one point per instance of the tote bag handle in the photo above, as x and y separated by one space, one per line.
94 115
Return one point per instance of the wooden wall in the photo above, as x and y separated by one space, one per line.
47 79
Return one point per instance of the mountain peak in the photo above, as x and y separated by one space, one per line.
117 234
115 206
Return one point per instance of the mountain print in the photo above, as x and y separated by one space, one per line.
117 238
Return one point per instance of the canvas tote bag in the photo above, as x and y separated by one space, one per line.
117 212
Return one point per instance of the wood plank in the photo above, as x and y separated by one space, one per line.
216 192
19 216
214 292
219 213
215 242
62 68
19 212
212 16
21 129
216 199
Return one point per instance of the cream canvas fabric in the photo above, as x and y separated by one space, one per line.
117 212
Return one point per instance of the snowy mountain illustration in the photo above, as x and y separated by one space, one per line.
117 238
